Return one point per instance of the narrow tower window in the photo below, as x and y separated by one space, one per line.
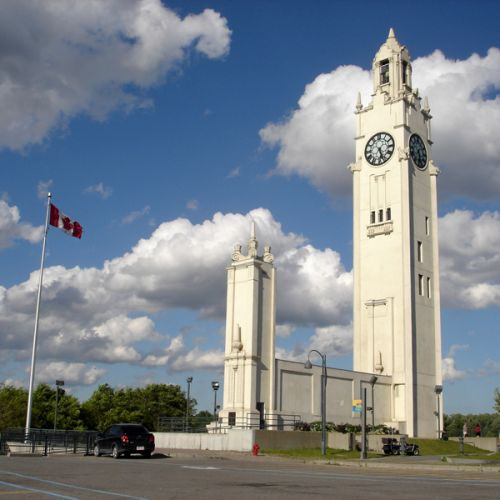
429 288
427 226
420 284
404 70
372 217
384 71
388 214
381 215
420 254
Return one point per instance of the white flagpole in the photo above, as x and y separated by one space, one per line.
37 314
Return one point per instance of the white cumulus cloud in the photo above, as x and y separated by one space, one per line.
61 58
316 139
470 259
102 314
71 373
100 189
11 227
449 371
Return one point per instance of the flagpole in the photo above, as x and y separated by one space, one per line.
37 314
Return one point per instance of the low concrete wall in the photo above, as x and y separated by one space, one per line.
287 440
340 441
485 443
233 440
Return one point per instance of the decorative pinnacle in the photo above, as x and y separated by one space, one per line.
426 105
252 242
359 105
391 34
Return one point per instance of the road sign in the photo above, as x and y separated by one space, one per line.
357 405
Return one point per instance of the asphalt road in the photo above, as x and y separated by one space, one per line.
73 476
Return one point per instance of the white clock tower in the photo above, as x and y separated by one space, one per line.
397 329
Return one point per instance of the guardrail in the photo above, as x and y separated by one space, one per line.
250 421
46 441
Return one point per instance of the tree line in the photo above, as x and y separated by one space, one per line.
105 407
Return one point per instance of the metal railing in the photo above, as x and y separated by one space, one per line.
271 421
179 424
46 441
207 424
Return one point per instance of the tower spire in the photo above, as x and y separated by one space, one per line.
252 242
391 34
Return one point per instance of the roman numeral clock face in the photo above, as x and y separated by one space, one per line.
379 148
418 152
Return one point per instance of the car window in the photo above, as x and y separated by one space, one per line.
133 430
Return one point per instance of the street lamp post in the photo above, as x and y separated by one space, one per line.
186 423
438 390
373 380
215 387
308 365
59 383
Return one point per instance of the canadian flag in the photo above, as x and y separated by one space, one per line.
58 219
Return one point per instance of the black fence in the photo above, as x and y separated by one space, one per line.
207 424
181 424
46 441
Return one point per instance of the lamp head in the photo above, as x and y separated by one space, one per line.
438 389
215 385
59 382
308 365
189 380
373 379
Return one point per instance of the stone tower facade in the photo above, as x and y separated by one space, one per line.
397 329
249 365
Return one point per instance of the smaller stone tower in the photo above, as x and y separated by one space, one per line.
249 367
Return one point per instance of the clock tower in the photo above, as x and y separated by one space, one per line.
397 329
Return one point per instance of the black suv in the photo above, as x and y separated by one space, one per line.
124 439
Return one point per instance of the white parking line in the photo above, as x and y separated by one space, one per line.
27 488
71 486
199 467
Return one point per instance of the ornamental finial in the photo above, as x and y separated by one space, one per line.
359 105
252 242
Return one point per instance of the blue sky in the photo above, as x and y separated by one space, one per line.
164 128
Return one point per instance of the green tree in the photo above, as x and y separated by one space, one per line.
44 401
44 405
145 405
489 422
13 403
95 409
497 400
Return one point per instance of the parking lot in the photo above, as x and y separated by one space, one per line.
191 476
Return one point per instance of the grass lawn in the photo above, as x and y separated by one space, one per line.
315 453
452 448
427 447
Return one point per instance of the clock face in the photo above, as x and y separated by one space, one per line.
379 148
418 152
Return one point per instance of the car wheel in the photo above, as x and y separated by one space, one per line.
126 454
97 451
114 451
417 451
146 454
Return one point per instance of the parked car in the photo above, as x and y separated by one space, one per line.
124 439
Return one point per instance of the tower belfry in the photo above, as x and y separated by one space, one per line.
397 330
